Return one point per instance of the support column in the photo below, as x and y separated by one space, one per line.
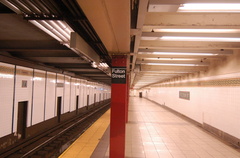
127 104
118 106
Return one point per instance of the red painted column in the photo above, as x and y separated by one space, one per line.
118 106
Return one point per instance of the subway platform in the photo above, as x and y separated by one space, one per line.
151 132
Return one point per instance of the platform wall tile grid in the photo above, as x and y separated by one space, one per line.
6 97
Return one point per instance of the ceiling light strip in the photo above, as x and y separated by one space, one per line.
181 53
64 27
51 28
45 30
205 39
198 30
172 64
172 59
209 7
59 29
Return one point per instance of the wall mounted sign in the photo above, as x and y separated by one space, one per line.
24 83
119 75
184 95
60 85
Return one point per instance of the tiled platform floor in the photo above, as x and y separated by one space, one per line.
153 132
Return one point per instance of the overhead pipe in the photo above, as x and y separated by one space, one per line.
32 7
41 7
72 7
11 6
22 7
53 7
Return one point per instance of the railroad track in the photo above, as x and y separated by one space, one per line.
52 143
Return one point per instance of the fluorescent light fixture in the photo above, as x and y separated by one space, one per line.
158 75
37 79
180 53
103 65
209 7
150 38
57 29
163 7
53 81
45 30
62 32
94 65
170 64
199 30
171 59
208 39
6 76
174 72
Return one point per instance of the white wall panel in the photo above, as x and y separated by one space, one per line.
216 106
81 94
73 94
59 91
85 92
50 95
67 92
91 94
77 86
97 93
222 109
78 91
40 89
23 93
6 98
38 96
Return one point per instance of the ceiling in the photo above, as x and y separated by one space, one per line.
39 33
150 32
160 52
153 59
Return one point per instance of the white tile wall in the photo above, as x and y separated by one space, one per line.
81 94
91 94
50 95
85 92
216 106
60 90
73 94
97 93
41 93
38 96
6 98
78 91
66 97
78 87
23 93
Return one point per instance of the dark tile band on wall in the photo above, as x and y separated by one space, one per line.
210 83
32 96
14 93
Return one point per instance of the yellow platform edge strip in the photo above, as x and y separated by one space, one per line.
85 145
